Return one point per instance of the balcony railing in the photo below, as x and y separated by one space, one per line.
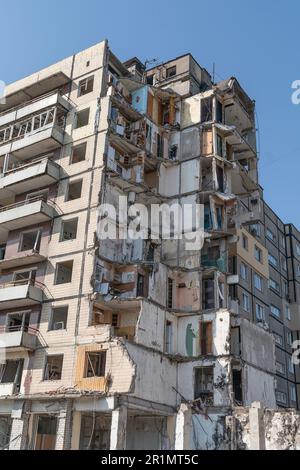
22 166
22 282
35 123
24 203
19 328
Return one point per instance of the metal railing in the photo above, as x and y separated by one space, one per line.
19 328
25 202
35 100
23 165
23 282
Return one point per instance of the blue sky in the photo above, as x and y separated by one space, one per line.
256 41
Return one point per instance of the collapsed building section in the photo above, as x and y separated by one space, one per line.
117 342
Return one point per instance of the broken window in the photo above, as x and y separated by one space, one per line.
68 230
208 298
150 79
46 433
94 432
30 240
219 216
257 253
208 225
24 277
219 111
220 179
159 146
2 252
245 242
95 363
5 431
206 109
11 373
203 385
78 153
17 321
140 290
74 190
171 72
86 86
59 318
170 293
169 337
82 118
237 386
219 146
53 367
115 320
205 333
63 273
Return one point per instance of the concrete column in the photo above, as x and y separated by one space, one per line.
171 426
76 425
64 429
19 429
257 428
183 428
118 429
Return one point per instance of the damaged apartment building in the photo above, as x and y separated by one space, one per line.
137 344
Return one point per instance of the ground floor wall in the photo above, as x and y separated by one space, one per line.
126 423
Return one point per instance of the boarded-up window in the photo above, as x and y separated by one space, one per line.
46 433
205 338
150 105
207 143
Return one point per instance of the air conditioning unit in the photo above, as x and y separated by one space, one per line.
59 325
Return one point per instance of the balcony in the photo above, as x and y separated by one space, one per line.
25 178
35 129
25 259
9 389
22 293
18 339
26 213
18 92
